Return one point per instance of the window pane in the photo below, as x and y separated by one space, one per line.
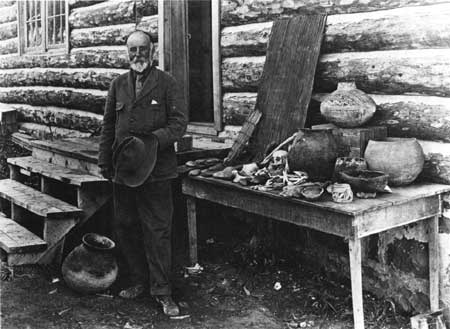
57 7
57 29
50 8
50 30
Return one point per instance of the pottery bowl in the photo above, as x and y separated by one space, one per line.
312 192
97 242
366 180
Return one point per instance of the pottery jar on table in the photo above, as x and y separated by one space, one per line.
401 158
347 106
91 267
315 152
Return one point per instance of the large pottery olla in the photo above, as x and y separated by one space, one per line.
347 106
401 158
91 267
315 152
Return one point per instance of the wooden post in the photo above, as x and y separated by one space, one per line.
433 254
354 245
192 229
45 185
14 173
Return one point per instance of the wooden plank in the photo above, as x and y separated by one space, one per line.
8 30
433 256
14 238
400 213
23 140
192 229
9 46
8 14
41 131
354 246
287 79
35 201
244 136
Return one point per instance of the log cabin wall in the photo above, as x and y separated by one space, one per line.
398 51
64 94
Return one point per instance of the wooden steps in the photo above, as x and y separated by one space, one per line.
70 176
37 202
15 239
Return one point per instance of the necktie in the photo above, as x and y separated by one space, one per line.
139 83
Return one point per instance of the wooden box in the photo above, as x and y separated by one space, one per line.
431 320
355 139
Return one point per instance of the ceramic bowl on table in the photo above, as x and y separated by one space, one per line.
366 180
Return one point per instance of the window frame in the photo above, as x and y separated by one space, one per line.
45 47
205 128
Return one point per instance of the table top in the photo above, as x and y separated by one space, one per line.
398 196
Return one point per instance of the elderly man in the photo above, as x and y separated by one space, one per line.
143 118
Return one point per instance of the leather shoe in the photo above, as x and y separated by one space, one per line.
168 305
132 292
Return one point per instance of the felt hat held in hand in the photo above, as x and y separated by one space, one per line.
134 160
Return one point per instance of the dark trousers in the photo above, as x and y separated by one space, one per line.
142 229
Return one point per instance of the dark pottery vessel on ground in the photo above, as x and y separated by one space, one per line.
401 158
365 180
315 152
91 267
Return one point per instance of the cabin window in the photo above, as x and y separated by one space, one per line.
43 25
191 52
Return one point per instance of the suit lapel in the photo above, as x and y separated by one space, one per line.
131 85
149 84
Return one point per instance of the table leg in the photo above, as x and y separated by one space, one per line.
354 245
192 228
433 255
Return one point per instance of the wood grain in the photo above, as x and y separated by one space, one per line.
287 80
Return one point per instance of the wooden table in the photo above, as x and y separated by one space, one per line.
352 221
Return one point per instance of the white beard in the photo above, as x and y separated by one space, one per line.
139 66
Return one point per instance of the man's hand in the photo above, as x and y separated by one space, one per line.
106 172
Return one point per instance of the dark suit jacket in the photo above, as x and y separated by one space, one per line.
156 110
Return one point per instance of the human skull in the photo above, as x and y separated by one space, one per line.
279 158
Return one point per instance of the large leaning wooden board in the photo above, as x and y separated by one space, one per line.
286 84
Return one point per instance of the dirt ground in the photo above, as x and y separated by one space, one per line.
231 292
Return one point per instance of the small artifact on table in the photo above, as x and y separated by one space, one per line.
366 195
292 191
260 177
243 180
227 173
312 192
341 193
249 169
348 164
194 172
366 180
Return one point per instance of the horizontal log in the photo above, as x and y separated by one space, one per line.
7 3
8 30
248 11
424 71
111 35
47 132
82 3
437 161
423 117
58 116
150 25
386 72
404 28
8 14
106 57
96 78
8 46
237 106
90 100
117 11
